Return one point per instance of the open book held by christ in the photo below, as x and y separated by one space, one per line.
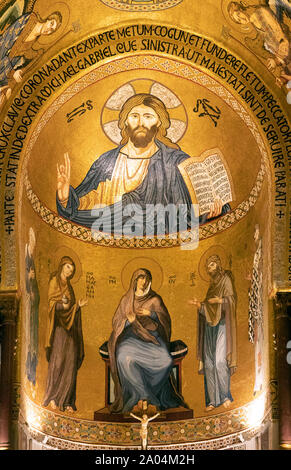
207 177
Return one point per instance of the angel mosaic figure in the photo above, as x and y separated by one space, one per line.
17 47
272 41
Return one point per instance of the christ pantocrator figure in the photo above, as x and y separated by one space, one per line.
142 170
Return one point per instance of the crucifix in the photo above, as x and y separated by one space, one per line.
144 420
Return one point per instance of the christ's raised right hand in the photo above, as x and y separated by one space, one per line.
63 180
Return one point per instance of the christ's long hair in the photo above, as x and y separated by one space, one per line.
158 106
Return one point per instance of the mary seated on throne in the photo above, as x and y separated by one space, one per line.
141 360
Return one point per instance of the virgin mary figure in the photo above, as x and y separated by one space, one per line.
140 361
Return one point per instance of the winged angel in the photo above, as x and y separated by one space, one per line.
24 37
267 26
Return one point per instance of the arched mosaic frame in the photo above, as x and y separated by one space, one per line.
178 69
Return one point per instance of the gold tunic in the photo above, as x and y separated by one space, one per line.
129 172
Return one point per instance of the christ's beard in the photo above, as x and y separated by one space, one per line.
141 136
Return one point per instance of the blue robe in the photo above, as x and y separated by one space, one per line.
139 352
217 349
163 184
146 376
282 8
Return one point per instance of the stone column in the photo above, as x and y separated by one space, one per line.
282 304
8 312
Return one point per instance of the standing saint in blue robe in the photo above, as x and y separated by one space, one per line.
140 360
140 173
216 332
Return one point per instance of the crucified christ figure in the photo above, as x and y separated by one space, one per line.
144 419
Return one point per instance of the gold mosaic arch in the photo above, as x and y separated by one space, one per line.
35 207
142 5
178 69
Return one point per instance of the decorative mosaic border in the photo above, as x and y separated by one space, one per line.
180 70
222 428
233 442
131 5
